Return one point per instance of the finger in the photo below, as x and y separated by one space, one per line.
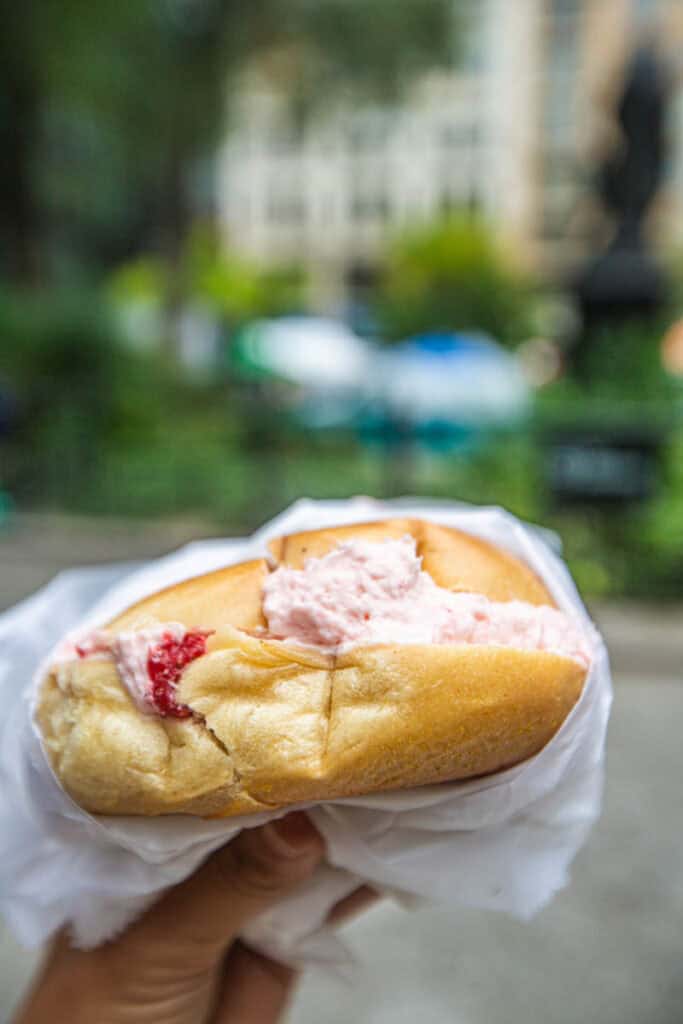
352 905
255 990
239 881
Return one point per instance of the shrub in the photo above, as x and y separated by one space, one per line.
83 397
453 276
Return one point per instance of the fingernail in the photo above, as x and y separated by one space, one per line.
293 835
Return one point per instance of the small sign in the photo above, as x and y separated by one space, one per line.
587 467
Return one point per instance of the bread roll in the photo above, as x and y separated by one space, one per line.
271 723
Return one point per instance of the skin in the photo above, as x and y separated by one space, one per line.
182 962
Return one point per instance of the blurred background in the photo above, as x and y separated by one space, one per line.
250 252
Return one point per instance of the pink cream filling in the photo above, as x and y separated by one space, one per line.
361 593
149 662
376 593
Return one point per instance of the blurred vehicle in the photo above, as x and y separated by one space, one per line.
320 365
446 390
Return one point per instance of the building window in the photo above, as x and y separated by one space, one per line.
562 70
455 134
368 132
242 208
470 33
285 209
368 209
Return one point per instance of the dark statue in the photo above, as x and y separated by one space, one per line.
625 282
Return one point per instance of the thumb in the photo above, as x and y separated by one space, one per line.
238 882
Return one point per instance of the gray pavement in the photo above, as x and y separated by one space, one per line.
608 950
34 548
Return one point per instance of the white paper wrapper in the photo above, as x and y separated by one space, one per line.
503 842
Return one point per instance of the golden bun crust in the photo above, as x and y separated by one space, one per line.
276 725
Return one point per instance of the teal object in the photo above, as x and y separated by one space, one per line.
6 508
246 356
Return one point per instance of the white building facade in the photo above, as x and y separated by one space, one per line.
505 134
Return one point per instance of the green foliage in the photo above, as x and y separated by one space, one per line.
627 386
108 104
83 396
659 529
452 276
624 362
112 112
139 280
234 289
369 48
108 431
158 447
635 550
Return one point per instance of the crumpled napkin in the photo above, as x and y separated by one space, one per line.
503 842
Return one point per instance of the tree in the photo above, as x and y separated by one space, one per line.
452 276
116 98
21 86
367 48
112 111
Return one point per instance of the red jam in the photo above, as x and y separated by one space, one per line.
165 663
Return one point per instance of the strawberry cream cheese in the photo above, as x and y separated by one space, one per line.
361 593
376 593
149 662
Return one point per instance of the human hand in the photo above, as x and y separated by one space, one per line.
181 963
